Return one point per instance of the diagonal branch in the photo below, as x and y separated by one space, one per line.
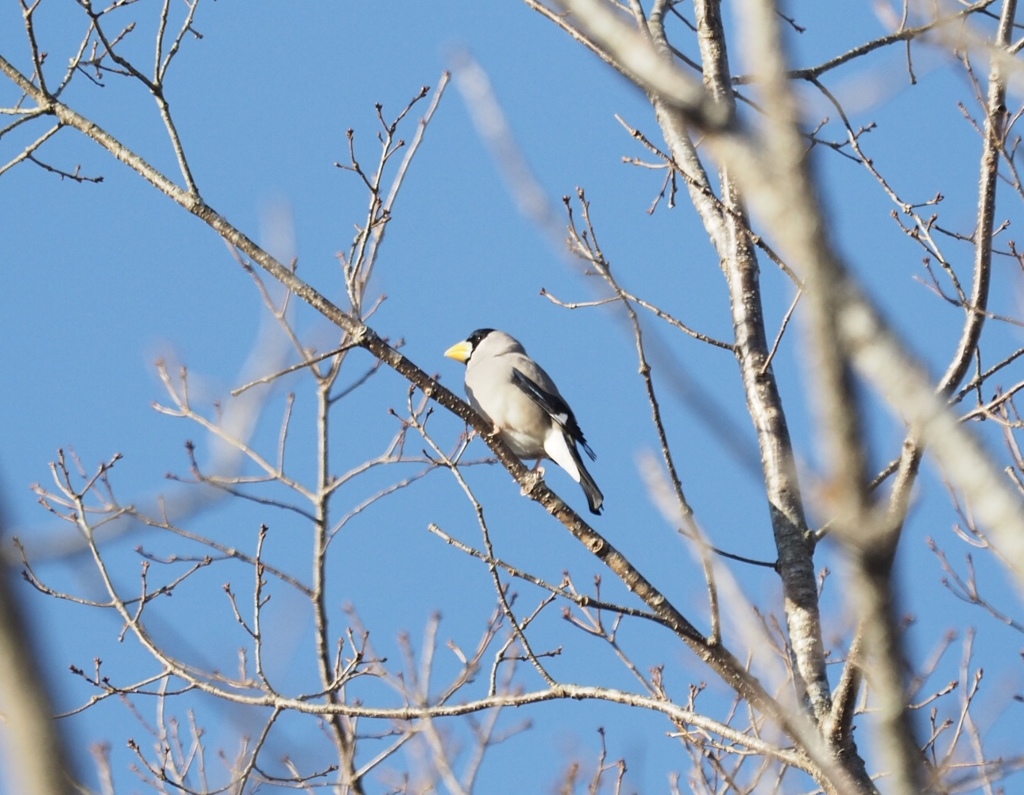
729 231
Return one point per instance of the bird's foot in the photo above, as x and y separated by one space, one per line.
534 477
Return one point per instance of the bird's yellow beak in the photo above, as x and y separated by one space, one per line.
460 352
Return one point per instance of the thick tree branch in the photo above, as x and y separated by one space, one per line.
730 233
878 354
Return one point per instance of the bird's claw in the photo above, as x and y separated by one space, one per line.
533 478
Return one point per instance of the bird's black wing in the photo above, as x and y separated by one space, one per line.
555 406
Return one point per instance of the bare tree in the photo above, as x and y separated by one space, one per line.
738 142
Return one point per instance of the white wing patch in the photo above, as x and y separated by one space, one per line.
557 448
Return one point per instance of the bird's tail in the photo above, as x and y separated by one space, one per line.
562 450
595 499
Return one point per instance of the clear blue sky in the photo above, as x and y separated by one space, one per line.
101 280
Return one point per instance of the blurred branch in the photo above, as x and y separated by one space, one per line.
41 764
611 31
231 432
763 165
729 228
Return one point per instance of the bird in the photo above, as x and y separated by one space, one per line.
514 393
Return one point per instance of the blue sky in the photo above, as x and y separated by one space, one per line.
102 280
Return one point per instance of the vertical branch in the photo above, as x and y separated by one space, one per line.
586 246
27 12
387 207
729 231
154 85
875 570
358 265
344 740
868 532
995 115
970 337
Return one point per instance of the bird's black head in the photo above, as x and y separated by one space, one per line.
477 336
